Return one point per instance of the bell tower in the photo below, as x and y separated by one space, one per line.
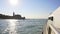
13 14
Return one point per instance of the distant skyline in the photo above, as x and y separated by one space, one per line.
35 9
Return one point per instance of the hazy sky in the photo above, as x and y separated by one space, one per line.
29 8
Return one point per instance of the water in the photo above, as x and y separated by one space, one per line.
28 26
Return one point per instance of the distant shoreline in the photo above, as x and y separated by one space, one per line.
11 17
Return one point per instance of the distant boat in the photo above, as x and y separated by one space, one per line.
53 24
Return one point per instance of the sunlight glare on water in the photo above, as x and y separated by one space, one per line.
11 27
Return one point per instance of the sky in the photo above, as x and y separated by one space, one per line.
34 9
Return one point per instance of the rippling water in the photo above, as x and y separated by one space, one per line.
28 26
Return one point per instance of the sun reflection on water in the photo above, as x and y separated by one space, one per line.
11 29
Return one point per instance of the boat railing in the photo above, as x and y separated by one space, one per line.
54 30
49 28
